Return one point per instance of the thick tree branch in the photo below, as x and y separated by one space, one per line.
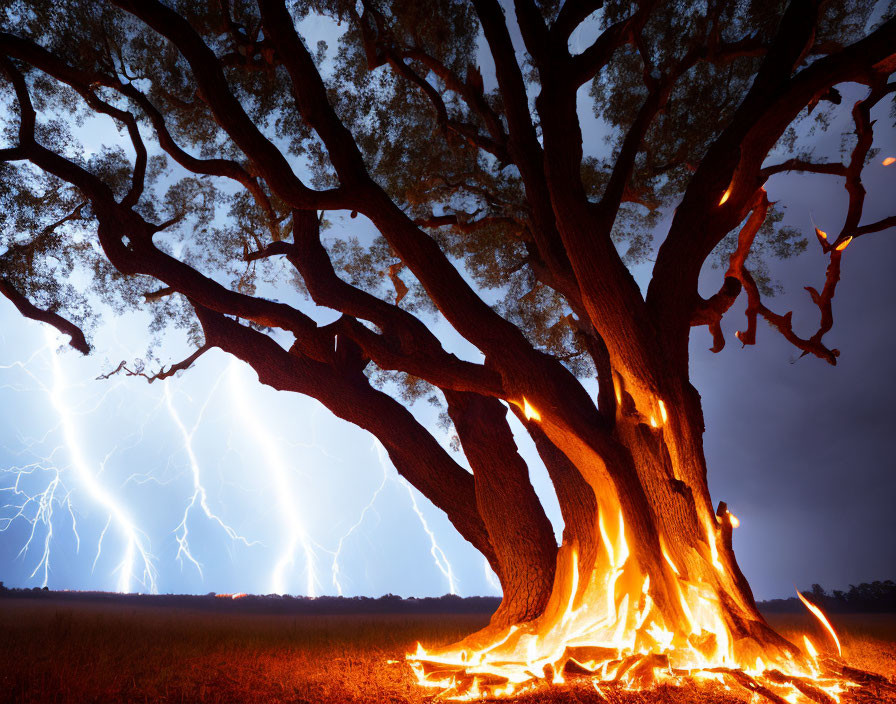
525 148
571 15
454 297
414 452
519 529
26 308
830 168
140 255
403 343
586 65
883 224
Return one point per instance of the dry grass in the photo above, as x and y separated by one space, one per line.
84 652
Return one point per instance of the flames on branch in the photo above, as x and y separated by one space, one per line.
602 625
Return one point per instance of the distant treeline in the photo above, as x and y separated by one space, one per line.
275 603
877 597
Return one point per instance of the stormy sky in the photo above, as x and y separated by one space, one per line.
210 482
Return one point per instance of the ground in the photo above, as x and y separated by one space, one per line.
63 651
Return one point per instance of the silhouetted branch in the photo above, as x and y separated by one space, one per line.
467 222
586 65
571 15
882 224
831 168
29 310
162 373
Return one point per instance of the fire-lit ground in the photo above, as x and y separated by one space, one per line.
53 651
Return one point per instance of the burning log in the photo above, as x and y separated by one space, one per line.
744 680
643 674
803 685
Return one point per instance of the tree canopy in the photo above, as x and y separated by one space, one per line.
453 149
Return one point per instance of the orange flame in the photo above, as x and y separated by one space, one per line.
813 653
821 617
713 548
840 247
529 412
667 558
725 196
821 233
663 413
889 160
607 624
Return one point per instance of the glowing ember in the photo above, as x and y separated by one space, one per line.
821 234
889 160
725 196
529 412
840 247
734 520
821 617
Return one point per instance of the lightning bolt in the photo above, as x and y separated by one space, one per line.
368 507
45 488
136 544
36 507
43 504
438 555
296 535
200 496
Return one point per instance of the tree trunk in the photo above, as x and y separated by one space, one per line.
517 526
646 568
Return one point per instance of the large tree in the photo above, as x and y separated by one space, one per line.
245 142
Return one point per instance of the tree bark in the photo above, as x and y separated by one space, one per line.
519 530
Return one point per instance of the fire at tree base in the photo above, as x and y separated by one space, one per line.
608 636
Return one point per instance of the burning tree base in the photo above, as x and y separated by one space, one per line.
611 634
825 682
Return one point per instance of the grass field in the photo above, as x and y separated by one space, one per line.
93 652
